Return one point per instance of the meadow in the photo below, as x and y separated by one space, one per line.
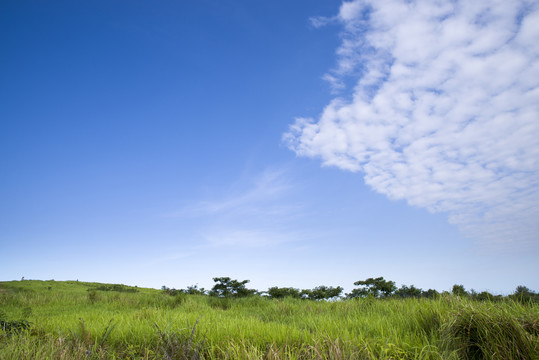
80 320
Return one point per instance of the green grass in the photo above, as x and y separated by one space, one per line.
75 320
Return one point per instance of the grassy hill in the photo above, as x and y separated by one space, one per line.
81 320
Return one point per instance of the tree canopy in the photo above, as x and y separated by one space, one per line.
377 287
226 287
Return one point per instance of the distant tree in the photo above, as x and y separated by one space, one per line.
458 290
171 292
484 296
325 292
408 292
279 293
430 294
226 287
377 287
306 294
523 294
195 290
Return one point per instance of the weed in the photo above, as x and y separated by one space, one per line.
107 332
84 335
181 346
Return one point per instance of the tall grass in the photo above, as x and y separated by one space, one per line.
69 323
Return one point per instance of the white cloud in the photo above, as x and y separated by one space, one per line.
321 21
249 238
258 195
255 213
444 112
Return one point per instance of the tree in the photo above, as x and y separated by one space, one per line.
523 294
377 287
306 294
458 290
171 292
484 296
226 287
323 292
430 294
408 292
279 293
195 290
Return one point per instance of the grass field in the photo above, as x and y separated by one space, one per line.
77 320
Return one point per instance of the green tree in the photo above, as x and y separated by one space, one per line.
323 292
377 287
408 292
195 290
458 290
484 296
279 293
430 294
523 294
306 294
226 287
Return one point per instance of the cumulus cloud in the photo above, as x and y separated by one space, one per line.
444 111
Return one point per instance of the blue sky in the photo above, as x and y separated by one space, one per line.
291 143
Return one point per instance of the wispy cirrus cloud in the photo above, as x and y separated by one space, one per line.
257 213
444 110
258 196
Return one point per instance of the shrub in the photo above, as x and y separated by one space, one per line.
92 295
279 293
14 326
227 287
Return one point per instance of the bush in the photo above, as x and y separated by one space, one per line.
227 287
116 287
279 293
14 326
92 295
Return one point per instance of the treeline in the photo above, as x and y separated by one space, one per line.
377 288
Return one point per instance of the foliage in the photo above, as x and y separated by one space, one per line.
195 290
280 293
322 292
430 294
92 295
226 287
223 303
408 292
191 290
15 326
180 345
492 334
524 295
377 287
485 296
116 287
458 290
172 292
149 325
